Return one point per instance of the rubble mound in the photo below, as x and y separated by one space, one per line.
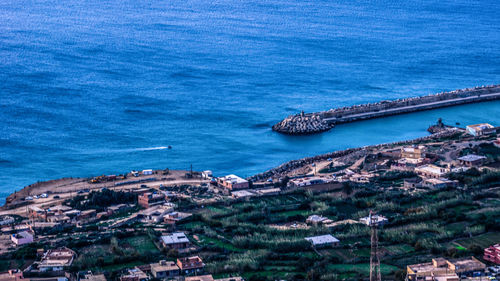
302 124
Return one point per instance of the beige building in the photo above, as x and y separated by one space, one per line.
431 171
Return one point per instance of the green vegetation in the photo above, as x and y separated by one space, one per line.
99 200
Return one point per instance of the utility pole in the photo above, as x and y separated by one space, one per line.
375 274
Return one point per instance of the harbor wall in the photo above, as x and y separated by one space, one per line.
322 121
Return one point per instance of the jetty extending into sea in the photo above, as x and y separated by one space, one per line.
311 123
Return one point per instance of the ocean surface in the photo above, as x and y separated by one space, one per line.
91 87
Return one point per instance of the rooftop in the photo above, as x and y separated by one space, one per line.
471 157
322 239
174 238
164 266
234 179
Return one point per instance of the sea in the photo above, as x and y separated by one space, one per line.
93 87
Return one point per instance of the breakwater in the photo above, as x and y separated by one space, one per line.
311 123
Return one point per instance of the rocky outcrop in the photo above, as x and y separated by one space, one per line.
302 124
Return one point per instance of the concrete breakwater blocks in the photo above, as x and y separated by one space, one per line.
312 123
302 124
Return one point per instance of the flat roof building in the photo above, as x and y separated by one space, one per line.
472 160
149 199
431 171
164 269
191 265
176 240
480 129
492 254
57 259
233 182
323 241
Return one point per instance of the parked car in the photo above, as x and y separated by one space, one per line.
57 196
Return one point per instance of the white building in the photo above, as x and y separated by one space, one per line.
480 129
432 171
323 241
21 238
376 219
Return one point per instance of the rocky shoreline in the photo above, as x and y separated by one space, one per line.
313 123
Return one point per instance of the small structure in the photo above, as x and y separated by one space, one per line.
175 217
156 213
317 220
176 240
233 182
235 278
480 129
22 238
89 276
191 265
149 199
413 152
323 241
164 269
87 215
432 171
200 278
147 172
56 259
440 183
207 174
243 193
268 191
134 274
472 160
445 269
412 183
374 219
492 254
300 182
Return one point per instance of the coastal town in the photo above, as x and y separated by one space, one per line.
424 209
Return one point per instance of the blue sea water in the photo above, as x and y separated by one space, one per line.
90 87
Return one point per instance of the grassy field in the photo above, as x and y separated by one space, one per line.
483 240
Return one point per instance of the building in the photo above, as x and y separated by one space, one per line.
472 160
492 254
21 238
412 183
233 182
134 274
89 276
164 269
87 215
156 213
268 191
207 174
431 171
413 152
200 278
442 269
377 219
56 259
37 213
243 193
176 240
117 208
318 220
235 278
149 199
147 172
323 241
174 217
300 182
480 129
191 265
439 183
467 266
